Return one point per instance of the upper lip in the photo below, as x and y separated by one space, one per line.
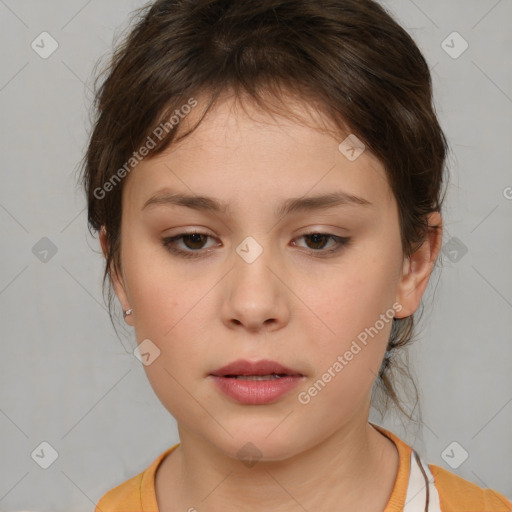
262 367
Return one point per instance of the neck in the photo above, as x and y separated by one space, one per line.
353 469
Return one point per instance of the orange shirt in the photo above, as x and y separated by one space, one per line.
447 491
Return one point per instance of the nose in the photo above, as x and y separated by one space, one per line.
256 295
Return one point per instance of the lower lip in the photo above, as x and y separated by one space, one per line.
256 392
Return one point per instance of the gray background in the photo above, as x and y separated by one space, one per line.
65 377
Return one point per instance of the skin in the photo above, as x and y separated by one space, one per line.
290 305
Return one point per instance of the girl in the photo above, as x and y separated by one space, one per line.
265 178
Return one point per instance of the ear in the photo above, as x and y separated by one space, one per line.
416 270
117 282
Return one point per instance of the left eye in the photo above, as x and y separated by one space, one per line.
319 239
195 242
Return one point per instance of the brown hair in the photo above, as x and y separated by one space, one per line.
349 59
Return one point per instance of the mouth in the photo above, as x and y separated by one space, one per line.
258 370
255 383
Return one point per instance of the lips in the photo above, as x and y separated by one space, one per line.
265 367
255 383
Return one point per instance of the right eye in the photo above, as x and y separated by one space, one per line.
194 241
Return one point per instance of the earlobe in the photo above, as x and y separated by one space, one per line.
418 267
117 283
103 240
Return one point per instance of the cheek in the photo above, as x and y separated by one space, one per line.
160 293
351 313
171 314
173 310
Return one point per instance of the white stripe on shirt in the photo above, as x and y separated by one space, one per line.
416 497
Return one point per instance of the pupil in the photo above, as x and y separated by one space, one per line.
194 237
317 238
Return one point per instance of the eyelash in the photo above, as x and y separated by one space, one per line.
341 242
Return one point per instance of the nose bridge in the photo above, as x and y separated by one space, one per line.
252 262
255 294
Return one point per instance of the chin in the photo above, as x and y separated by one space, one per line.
252 445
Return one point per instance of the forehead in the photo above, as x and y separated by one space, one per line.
239 150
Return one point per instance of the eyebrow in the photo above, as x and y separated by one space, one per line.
292 205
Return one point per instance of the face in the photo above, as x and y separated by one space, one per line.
313 288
